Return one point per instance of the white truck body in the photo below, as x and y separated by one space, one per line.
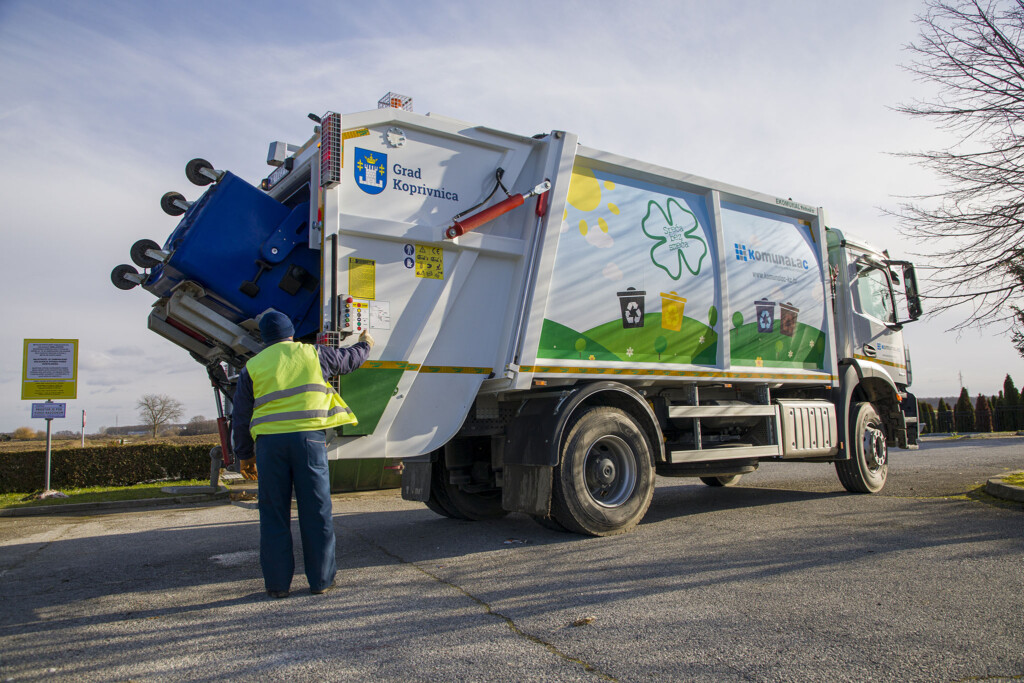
728 327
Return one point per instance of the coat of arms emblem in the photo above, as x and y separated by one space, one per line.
371 170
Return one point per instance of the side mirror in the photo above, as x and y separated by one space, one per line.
909 287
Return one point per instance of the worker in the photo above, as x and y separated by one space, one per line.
285 402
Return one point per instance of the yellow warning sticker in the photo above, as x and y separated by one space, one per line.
362 278
429 262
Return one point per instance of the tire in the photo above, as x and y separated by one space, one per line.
604 482
868 466
168 205
438 508
476 506
139 256
193 171
451 501
117 276
730 480
438 501
549 523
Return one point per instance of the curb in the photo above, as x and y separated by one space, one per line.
996 487
218 498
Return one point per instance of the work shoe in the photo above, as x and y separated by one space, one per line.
323 590
277 594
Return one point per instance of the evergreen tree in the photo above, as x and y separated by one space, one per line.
963 412
982 414
1010 393
1011 406
943 417
926 417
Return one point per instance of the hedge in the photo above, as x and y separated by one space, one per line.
102 466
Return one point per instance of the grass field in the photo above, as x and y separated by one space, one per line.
96 494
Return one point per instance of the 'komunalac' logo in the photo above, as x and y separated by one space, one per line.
675 231
371 171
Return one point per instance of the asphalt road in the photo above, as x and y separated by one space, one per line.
783 578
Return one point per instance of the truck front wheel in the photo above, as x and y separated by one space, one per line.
605 480
868 466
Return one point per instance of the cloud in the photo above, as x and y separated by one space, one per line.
599 239
612 272
127 351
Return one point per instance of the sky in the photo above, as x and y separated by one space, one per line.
103 103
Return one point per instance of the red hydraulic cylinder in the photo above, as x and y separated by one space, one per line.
459 228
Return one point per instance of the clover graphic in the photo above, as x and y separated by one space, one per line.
675 231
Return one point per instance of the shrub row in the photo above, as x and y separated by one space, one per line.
102 466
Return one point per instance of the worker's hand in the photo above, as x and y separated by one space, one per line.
365 337
248 468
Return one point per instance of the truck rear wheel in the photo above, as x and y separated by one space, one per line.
449 500
868 466
605 480
548 523
730 480
439 502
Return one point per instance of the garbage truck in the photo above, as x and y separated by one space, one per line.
555 324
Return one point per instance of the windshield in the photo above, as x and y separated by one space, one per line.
874 297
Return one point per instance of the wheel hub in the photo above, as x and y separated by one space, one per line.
610 471
606 471
875 451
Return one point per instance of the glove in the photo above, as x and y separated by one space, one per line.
248 468
365 337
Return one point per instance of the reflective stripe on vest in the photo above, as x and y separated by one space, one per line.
290 392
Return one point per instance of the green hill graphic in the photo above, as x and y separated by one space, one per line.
694 343
805 349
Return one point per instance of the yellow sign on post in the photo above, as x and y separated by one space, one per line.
50 369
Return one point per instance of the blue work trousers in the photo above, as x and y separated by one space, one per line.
299 460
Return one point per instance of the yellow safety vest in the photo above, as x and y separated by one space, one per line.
290 392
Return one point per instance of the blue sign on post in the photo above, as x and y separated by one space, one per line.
49 410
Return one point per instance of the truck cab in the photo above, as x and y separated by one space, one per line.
873 298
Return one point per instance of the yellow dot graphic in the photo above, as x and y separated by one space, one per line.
585 195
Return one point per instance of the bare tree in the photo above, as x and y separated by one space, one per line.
972 229
199 425
156 410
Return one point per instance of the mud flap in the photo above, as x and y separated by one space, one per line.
526 488
416 479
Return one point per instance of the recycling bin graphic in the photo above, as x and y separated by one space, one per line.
631 302
672 306
765 315
787 322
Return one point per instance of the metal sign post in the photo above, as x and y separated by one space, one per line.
50 370
48 411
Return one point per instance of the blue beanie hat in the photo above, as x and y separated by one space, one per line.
275 326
